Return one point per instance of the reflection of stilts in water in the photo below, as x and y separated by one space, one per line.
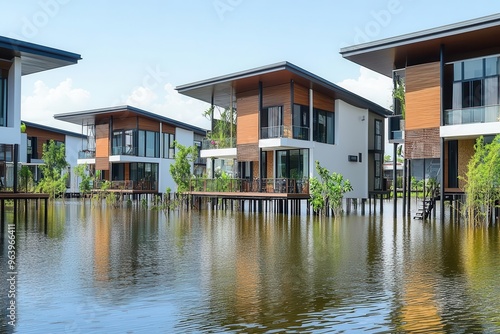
420 312
101 245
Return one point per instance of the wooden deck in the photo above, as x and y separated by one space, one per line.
12 195
249 195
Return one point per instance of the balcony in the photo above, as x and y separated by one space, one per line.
128 185
215 144
86 154
124 150
472 115
280 185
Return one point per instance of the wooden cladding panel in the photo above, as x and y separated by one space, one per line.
300 95
465 153
247 130
279 96
149 124
423 96
101 163
270 164
43 136
248 152
422 143
168 128
102 140
323 102
124 123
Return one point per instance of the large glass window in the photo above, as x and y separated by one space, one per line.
378 135
271 122
300 122
168 146
148 144
324 126
292 164
144 175
3 101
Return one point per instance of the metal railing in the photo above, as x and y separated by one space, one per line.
214 144
127 185
123 150
472 115
272 132
86 154
279 185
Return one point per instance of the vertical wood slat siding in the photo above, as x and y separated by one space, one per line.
323 102
247 130
423 96
101 163
102 140
301 95
279 96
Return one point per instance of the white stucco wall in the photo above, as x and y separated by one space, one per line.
351 138
12 133
185 138
72 146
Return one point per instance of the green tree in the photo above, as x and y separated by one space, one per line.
329 191
53 179
223 127
482 182
85 186
25 178
181 168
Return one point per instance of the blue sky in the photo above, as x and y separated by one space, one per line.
137 52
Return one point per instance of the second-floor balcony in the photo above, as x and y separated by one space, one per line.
282 131
484 114
123 150
266 185
86 154
215 144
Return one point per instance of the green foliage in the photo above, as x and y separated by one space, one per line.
82 171
53 181
181 168
329 191
26 179
482 182
399 94
223 127
23 127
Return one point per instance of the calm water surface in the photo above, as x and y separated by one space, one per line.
105 270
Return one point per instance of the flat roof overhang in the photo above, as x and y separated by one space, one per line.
221 90
35 58
460 40
93 116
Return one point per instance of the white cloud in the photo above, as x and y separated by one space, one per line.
372 86
169 103
43 102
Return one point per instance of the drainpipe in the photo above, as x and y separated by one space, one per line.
259 123
395 179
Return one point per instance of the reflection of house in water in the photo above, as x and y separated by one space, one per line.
102 244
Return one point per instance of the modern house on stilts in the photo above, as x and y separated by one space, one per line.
283 119
451 75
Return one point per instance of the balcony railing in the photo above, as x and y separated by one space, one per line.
280 185
214 144
86 154
300 132
273 132
128 185
123 150
472 115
